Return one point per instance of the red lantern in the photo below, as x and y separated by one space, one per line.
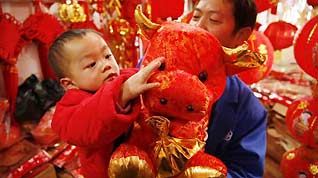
281 34
263 5
304 47
301 120
312 2
300 162
260 43
166 8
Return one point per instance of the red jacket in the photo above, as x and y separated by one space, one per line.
92 122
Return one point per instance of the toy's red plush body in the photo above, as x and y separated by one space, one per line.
189 86
168 139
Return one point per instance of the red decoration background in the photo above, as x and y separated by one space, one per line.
300 161
263 5
260 43
281 34
303 49
312 2
310 136
166 8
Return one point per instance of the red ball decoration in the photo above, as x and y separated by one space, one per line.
301 162
302 121
263 5
166 8
281 34
312 2
304 47
260 43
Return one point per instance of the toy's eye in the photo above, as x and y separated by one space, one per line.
163 101
203 76
190 108
162 67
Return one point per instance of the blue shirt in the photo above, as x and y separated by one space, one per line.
237 131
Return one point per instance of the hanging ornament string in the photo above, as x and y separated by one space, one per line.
36 4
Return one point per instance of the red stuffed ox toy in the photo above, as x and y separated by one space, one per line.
168 139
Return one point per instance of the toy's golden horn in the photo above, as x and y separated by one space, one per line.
241 59
146 27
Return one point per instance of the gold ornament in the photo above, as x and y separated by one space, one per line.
290 156
72 12
136 166
200 171
171 153
302 105
313 169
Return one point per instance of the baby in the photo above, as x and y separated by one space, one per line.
100 102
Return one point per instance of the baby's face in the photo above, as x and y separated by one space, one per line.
92 62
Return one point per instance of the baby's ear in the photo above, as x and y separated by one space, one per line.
67 83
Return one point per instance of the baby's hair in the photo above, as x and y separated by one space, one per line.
56 53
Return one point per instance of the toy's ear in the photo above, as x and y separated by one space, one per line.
146 28
240 59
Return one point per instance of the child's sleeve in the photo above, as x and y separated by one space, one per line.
94 121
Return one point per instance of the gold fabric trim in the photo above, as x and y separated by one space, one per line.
202 172
129 167
171 153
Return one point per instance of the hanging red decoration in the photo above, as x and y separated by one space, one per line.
44 28
304 47
300 162
10 42
263 5
312 2
11 45
166 8
260 43
281 34
121 37
301 120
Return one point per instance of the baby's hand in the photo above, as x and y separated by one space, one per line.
137 84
